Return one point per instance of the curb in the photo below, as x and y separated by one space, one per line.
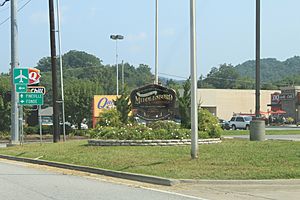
123 175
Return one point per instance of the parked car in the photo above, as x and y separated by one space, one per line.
240 122
224 124
83 126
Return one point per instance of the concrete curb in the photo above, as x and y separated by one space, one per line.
117 174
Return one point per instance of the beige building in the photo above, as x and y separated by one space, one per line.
223 103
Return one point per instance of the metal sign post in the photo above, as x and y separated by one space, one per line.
40 123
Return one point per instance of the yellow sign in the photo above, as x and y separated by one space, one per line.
102 102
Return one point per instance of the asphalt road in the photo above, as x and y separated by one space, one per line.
270 137
19 182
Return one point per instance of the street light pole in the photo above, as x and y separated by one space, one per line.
156 42
14 64
257 78
117 37
61 69
194 107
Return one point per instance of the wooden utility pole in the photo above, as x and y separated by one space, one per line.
54 73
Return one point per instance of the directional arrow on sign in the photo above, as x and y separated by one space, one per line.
21 88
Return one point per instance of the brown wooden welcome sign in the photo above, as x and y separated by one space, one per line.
153 102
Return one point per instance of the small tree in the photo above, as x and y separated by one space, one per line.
208 123
123 106
184 106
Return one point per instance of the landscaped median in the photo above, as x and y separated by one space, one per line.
231 159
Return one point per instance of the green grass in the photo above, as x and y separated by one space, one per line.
232 159
268 132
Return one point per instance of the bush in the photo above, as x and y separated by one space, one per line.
31 130
141 132
4 135
168 125
208 123
110 117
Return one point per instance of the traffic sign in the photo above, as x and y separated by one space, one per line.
21 76
31 98
21 88
36 89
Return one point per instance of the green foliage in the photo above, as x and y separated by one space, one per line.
110 117
123 106
138 132
5 104
78 100
208 123
184 104
32 130
273 71
4 135
224 77
72 59
167 125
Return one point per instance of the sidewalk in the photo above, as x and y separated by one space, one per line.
241 190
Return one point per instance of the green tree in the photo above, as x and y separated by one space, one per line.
5 102
184 104
78 100
71 59
123 106
224 77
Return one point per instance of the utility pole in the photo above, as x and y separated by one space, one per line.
156 42
194 106
56 135
15 137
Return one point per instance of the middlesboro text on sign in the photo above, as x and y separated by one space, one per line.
153 102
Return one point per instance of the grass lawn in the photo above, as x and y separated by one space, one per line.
232 159
268 132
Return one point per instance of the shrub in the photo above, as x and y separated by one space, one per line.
31 130
141 132
4 135
208 123
168 125
110 117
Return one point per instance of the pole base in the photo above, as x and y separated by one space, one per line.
257 130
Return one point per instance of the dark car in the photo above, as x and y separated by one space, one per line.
224 124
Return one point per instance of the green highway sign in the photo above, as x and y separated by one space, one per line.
31 98
21 76
21 88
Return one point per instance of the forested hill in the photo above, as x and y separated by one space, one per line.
271 69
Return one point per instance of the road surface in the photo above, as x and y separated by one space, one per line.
18 182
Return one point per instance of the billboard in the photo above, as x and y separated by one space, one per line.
100 103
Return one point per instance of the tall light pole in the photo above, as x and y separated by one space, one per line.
257 77
156 42
14 64
194 106
257 126
116 38
61 68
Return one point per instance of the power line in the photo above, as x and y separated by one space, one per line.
25 4
2 4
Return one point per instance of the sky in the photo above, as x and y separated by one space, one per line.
225 32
